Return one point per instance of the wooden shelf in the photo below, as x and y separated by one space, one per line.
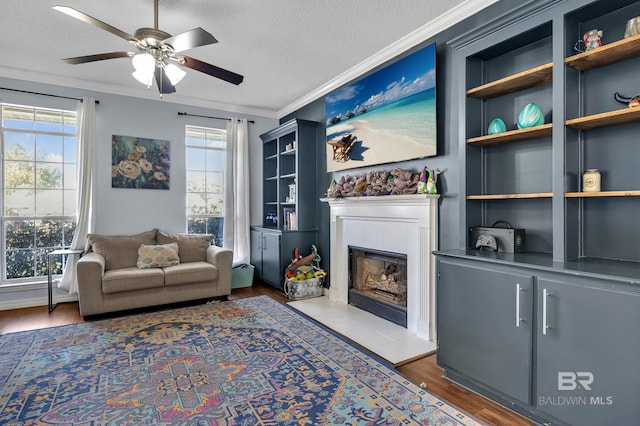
602 194
513 83
541 131
605 119
510 196
607 54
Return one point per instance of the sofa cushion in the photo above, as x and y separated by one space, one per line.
193 247
188 273
130 279
158 256
120 251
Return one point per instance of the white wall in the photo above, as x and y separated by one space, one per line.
123 211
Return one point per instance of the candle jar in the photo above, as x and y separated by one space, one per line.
591 181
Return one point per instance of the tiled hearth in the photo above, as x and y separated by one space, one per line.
398 223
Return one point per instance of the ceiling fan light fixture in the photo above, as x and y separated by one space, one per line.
174 73
143 77
144 62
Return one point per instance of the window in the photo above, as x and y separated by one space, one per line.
205 181
38 188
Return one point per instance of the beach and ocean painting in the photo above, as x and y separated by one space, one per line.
386 117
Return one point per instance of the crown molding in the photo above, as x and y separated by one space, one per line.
56 80
428 30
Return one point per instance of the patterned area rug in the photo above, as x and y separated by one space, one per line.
244 362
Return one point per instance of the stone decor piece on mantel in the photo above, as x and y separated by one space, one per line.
382 182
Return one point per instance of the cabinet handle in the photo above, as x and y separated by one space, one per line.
264 242
545 325
518 290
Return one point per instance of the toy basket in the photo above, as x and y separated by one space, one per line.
303 289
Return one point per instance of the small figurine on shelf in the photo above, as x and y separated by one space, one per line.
427 183
632 102
592 39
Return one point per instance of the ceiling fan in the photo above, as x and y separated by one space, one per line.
157 52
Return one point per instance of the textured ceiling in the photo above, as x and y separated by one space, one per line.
286 49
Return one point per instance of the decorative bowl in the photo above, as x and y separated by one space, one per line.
530 116
496 126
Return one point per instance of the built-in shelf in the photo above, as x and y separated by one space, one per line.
603 194
541 131
272 203
271 178
605 119
510 196
271 157
289 152
288 176
513 83
607 54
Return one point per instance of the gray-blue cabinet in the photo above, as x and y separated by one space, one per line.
548 340
265 255
272 250
587 351
488 336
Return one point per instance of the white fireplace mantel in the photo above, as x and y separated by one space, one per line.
397 223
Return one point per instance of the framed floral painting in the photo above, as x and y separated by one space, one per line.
139 163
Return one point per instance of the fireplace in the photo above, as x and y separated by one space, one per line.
378 283
394 223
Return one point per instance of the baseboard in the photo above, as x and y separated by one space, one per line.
36 301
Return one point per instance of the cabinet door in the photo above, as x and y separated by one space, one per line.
256 252
484 320
587 357
271 270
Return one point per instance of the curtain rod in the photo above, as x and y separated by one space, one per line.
43 94
207 116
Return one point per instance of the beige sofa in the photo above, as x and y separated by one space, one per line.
117 272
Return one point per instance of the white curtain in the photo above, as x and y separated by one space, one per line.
85 171
236 194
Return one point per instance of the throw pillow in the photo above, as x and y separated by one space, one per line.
193 247
158 256
120 251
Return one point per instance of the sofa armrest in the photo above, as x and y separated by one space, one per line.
223 260
90 270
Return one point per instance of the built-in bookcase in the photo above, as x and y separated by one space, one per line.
531 177
289 172
509 175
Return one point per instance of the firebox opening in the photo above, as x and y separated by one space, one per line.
378 283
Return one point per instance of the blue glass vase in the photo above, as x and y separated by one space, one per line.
530 116
496 126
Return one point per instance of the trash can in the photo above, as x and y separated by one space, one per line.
242 275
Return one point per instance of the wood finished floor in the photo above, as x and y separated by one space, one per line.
422 371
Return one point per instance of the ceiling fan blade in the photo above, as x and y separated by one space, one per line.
164 85
212 70
189 39
98 57
93 21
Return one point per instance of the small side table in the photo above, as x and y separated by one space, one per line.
62 252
